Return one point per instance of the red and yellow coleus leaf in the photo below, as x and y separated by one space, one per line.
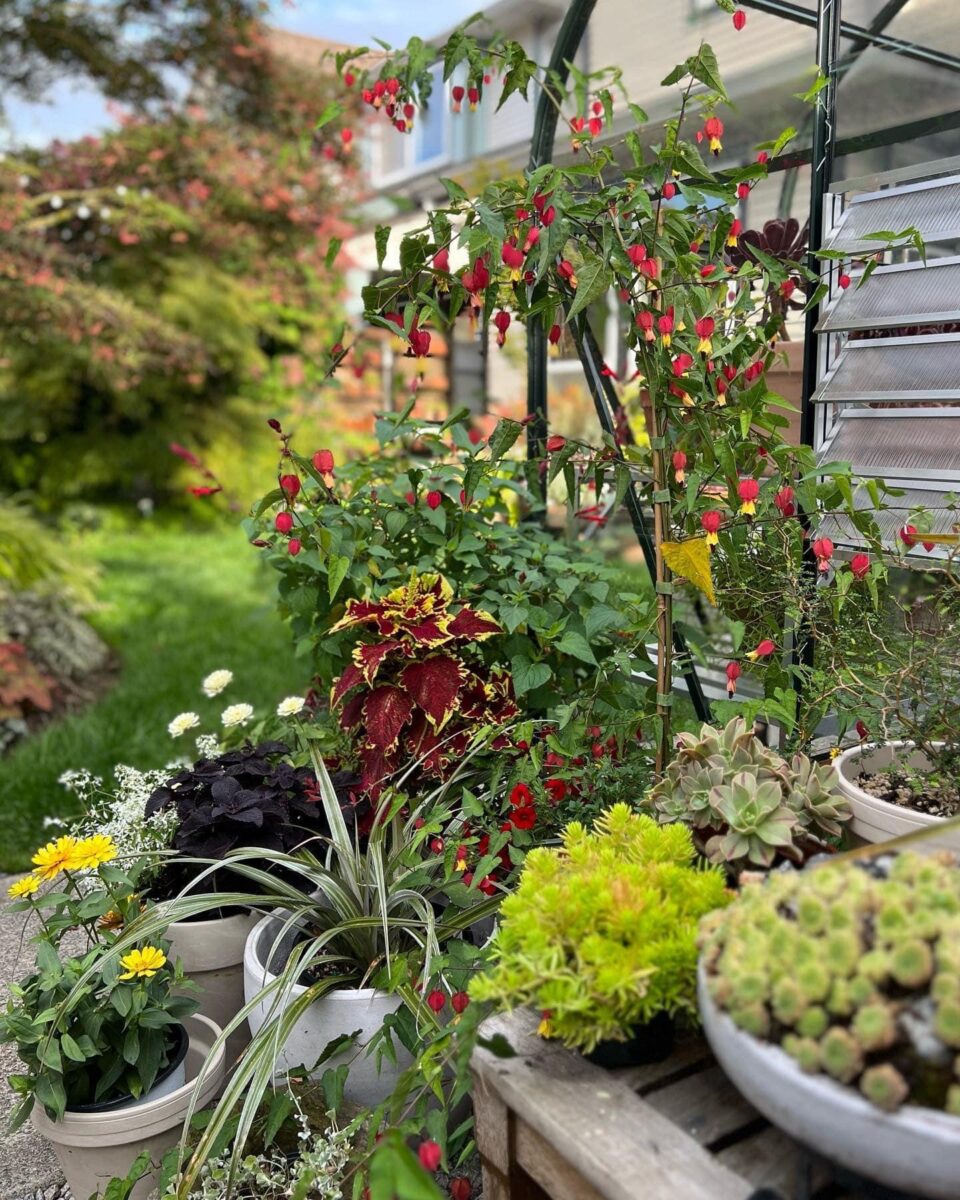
368 657
473 625
434 686
385 712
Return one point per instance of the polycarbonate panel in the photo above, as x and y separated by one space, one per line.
895 370
933 208
921 443
939 520
901 294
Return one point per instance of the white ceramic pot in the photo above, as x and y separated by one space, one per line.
92 1148
337 1013
212 956
877 820
915 1149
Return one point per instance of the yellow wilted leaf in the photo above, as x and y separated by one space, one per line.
691 559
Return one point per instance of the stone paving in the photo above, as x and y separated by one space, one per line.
28 1167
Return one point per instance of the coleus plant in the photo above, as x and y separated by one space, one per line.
410 694
658 225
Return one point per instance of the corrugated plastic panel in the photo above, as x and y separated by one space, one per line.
933 208
900 294
895 370
921 443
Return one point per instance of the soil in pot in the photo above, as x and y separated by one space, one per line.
913 789
649 1043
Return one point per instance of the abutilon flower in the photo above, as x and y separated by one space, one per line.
294 546
669 190
644 321
460 1000
473 98
665 326
419 340
704 329
734 232
555 334
502 321
860 565
457 94
548 216
393 86
637 253
739 19
733 673
430 1154
843 281
763 157
512 257
565 271
721 392
707 270
823 549
710 522
290 484
595 125
713 128
862 731
650 268
679 464
436 1000
434 499
324 462
409 110
349 79
681 365
784 501
539 200
764 650
346 136
283 522
748 490
533 236
729 372
555 442
906 535
743 191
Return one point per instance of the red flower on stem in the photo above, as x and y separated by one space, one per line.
459 1002
430 1155
710 522
748 490
290 484
521 796
784 501
733 674
557 789
739 19
436 1000
523 818
502 322
860 565
679 466
294 546
434 499
283 522
764 650
823 549
555 442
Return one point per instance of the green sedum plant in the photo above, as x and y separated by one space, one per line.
744 802
600 933
853 969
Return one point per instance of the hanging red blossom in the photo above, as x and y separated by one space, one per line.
554 335
290 484
430 1155
710 522
860 566
713 128
823 549
733 673
502 322
555 442
764 650
457 94
739 19
434 499
669 190
679 465
704 329
283 522
784 501
294 546
521 796
459 1001
748 490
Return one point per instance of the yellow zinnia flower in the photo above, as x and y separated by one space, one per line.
93 851
55 857
143 964
23 887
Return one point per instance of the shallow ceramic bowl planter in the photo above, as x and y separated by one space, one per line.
876 820
94 1147
339 1012
914 1149
212 956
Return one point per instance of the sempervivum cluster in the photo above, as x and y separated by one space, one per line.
746 803
854 970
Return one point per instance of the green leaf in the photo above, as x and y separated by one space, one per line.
333 1081
491 221
503 437
576 644
337 568
528 675
333 110
517 79
594 279
455 192
70 1048
705 69
381 236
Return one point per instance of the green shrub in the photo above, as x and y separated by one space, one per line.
31 556
880 943
600 935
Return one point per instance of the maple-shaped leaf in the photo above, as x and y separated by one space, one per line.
352 711
430 631
370 657
376 764
359 612
473 624
385 712
691 559
351 676
434 684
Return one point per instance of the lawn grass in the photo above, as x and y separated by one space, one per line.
175 605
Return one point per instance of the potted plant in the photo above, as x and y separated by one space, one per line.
831 998
746 804
600 936
108 1041
250 796
910 780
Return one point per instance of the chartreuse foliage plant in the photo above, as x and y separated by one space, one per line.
745 803
93 1025
600 935
854 969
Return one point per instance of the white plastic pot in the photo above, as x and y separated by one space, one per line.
914 1149
212 956
876 820
92 1148
339 1012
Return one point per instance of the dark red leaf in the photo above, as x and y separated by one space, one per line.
385 711
370 658
468 623
434 685
351 676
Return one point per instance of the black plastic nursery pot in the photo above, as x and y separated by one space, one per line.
178 1052
649 1043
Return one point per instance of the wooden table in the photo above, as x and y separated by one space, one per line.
552 1126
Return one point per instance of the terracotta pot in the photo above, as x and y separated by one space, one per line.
876 820
339 1012
915 1149
212 956
95 1147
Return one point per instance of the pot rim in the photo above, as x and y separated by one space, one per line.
260 971
849 757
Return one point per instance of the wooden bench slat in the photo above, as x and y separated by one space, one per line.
594 1123
706 1106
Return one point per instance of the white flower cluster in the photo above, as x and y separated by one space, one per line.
216 682
118 811
315 1174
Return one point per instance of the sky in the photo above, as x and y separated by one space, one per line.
73 110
